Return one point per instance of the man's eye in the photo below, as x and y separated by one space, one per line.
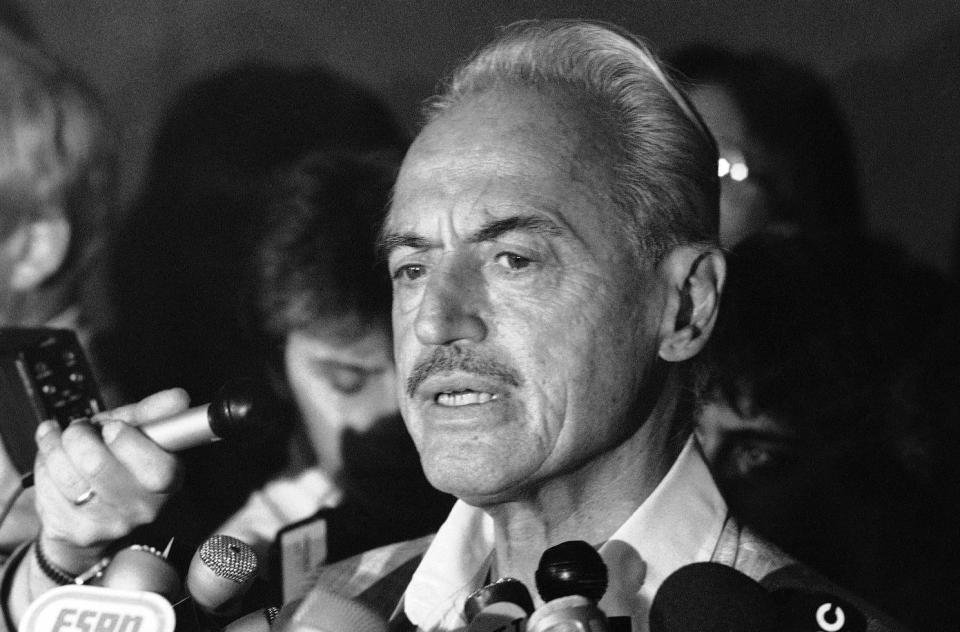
410 272
759 459
752 457
512 261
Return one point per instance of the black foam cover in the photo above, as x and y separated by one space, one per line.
571 568
802 610
237 408
711 597
808 601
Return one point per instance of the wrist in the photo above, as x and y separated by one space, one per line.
69 559
50 569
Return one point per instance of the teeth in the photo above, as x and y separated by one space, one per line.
464 398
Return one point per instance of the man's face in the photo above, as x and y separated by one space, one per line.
342 383
524 321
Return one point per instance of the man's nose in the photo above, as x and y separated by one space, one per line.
451 307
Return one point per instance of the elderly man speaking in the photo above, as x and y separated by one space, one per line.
552 247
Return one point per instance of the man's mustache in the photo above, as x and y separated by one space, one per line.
457 359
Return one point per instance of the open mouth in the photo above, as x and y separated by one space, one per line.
464 398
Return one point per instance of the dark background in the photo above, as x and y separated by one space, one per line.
895 66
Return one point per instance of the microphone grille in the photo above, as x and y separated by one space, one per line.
271 612
229 558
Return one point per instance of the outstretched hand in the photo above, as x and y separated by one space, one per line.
98 480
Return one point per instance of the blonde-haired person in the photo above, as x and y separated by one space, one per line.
57 184
57 188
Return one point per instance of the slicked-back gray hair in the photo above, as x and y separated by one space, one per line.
666 160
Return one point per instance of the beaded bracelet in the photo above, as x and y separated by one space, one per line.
62 577
53 572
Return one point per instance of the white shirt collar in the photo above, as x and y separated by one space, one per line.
679 523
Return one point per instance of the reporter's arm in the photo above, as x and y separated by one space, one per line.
93 487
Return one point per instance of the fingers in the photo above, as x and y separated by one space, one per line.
154 469
156 406
92 489
63 477
59 486
95 482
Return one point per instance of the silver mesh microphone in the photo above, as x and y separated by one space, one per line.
220 573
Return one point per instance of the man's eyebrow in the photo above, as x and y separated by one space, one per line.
526 223
388 241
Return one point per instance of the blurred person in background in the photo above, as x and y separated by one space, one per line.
923 426
183 254
58 188
796 419
57 195
786 162
181 251
323 302
15 20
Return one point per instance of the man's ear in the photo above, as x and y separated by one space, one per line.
695 278
43 247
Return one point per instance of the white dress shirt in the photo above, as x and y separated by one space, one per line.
681 522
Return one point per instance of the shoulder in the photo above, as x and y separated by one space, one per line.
748 552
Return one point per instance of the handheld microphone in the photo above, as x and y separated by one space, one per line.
219 576
810 610
502 605
711 597
88 608
139 567
576 568
571 578
234 410
573 613
571 568
816 611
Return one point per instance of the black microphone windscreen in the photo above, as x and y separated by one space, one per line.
237 408
571 568
711 597
802 607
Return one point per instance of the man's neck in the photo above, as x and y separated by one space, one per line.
592 502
